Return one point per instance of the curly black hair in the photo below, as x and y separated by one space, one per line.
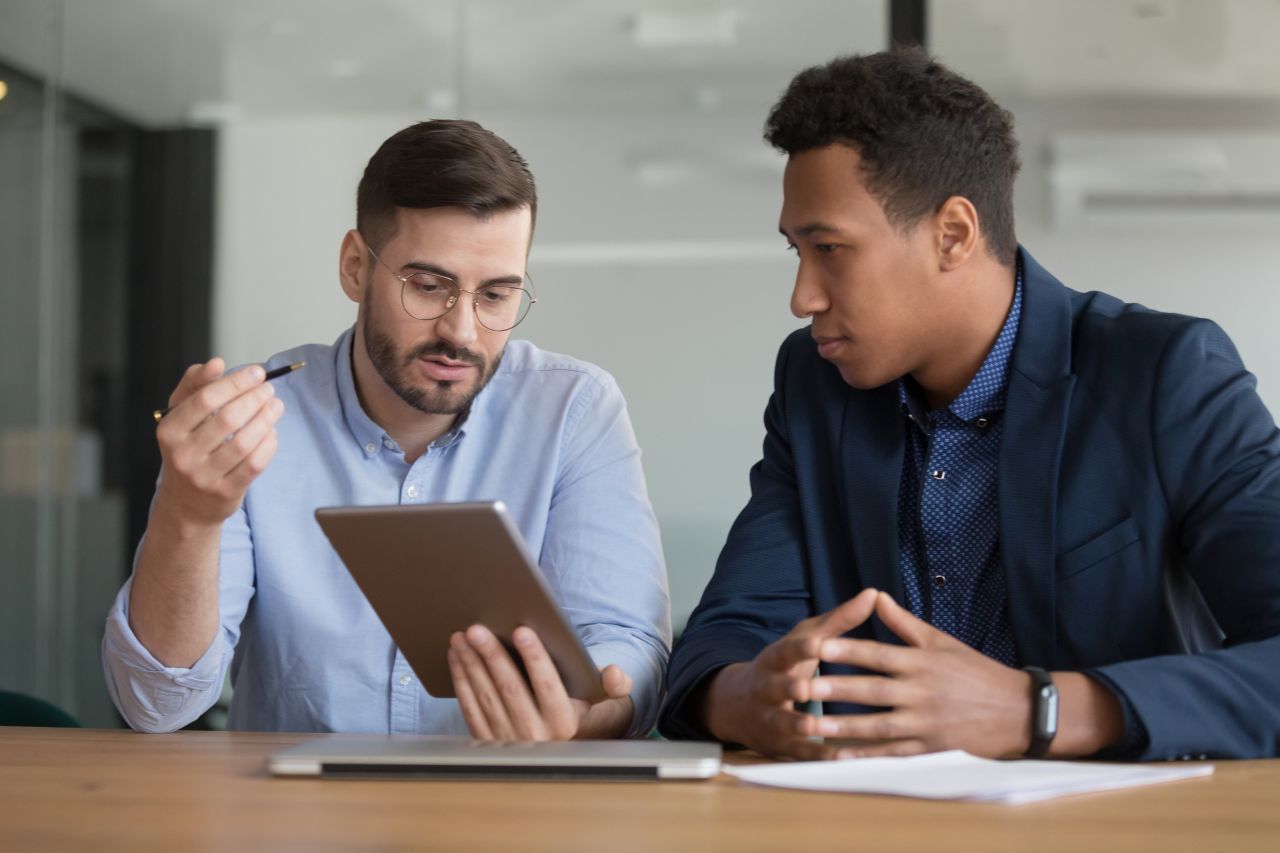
923 134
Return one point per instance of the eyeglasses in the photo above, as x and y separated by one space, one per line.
428 296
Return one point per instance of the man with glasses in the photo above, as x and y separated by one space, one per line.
424 400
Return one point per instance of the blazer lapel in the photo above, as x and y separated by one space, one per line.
871 447
1035 424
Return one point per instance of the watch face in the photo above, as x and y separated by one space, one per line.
1047 711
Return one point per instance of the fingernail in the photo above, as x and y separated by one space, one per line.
820 690
828 728
477 635
523 638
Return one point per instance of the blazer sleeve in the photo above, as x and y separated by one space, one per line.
760 589
1218 457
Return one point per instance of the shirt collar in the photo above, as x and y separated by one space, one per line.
364 429
985 393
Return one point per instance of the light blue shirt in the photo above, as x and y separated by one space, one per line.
549 436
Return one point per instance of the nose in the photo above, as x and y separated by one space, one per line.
807 297
459 326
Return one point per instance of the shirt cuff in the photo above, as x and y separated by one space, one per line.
149 695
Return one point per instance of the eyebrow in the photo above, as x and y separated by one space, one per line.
436 269
811 228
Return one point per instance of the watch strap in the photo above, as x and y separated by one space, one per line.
1044 711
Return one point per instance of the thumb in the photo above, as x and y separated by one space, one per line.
849 615
617 683
916 632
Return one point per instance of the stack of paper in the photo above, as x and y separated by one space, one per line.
956 775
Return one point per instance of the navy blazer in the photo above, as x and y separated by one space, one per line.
1139 491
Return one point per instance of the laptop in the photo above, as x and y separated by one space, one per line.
433 757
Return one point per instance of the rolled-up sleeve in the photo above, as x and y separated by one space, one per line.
153 697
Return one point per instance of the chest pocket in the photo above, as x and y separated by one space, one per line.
1106 544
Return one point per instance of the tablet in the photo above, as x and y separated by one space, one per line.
429 570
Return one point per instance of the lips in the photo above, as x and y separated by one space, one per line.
828 348
444 370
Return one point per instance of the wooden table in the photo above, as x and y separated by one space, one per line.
64 789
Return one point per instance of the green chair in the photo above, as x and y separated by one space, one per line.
18 709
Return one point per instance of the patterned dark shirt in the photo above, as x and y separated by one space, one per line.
948 507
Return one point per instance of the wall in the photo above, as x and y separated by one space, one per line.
689 326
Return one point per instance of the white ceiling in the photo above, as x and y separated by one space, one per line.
165 62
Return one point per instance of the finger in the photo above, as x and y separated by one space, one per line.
467 700
873 690
902 623
886 726
238 478
557 711
222 425
196 377
869 654
617 684
803 749
491 705
790 651
851 614
785 723
238 446
511 686
908 746
198 406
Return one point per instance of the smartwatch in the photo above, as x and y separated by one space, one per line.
1044 712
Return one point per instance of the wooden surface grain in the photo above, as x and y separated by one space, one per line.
66 789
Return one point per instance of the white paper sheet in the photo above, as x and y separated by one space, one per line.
956 775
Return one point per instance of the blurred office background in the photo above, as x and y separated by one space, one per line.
176 175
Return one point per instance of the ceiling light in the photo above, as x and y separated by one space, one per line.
684 29
4 89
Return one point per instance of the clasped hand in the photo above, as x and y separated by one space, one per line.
937 693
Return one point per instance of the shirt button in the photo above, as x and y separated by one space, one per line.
938 474
371 448
405 681
982 423
412 491
939 581
388 444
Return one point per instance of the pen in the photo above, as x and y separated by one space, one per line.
271 374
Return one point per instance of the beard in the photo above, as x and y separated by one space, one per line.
436 397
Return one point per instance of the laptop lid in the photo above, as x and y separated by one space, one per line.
429 757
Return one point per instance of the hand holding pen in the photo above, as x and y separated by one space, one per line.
271 374
217 435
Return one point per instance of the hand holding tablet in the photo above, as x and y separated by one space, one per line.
435 571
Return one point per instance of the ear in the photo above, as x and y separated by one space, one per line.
352 261
958 232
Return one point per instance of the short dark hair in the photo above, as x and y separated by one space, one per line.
441 163
923 133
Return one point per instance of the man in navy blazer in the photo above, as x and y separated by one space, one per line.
992 513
